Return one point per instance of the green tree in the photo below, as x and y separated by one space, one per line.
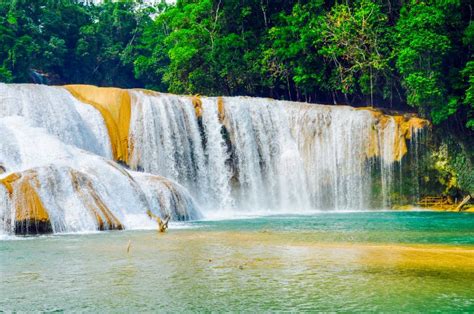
191 43
38 36
292 55
423 44
468 74
7 39
105 45
19 38
150 53
356 42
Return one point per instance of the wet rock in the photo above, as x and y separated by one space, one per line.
115 106
32 227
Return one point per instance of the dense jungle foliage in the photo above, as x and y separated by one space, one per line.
386 53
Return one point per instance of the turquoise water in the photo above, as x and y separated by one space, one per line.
369 261
378 227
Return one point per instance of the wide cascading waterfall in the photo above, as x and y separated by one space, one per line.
83 158
169 140
259 155
78 191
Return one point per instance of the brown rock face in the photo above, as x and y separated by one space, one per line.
115 106
405 125
85 190
197 103
31 217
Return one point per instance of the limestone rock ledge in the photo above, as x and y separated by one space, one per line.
115 106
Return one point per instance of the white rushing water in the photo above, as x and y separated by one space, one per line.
265 155
56 110
333 144
257 156
74 184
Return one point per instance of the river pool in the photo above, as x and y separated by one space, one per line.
352 261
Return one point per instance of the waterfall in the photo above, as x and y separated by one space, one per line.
334 142
217 170
387 139
267 164
58 182
258 155
166 138
186 157
56 110
417 137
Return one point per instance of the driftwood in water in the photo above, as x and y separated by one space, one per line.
464 201
162 223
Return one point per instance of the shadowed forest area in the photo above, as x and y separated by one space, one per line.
388 53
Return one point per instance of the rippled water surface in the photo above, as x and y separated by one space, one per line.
372 261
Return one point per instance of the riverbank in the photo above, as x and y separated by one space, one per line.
465 209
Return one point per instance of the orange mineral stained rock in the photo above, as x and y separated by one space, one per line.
197 103
115 106
31 216
84 189
220 108
404 126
